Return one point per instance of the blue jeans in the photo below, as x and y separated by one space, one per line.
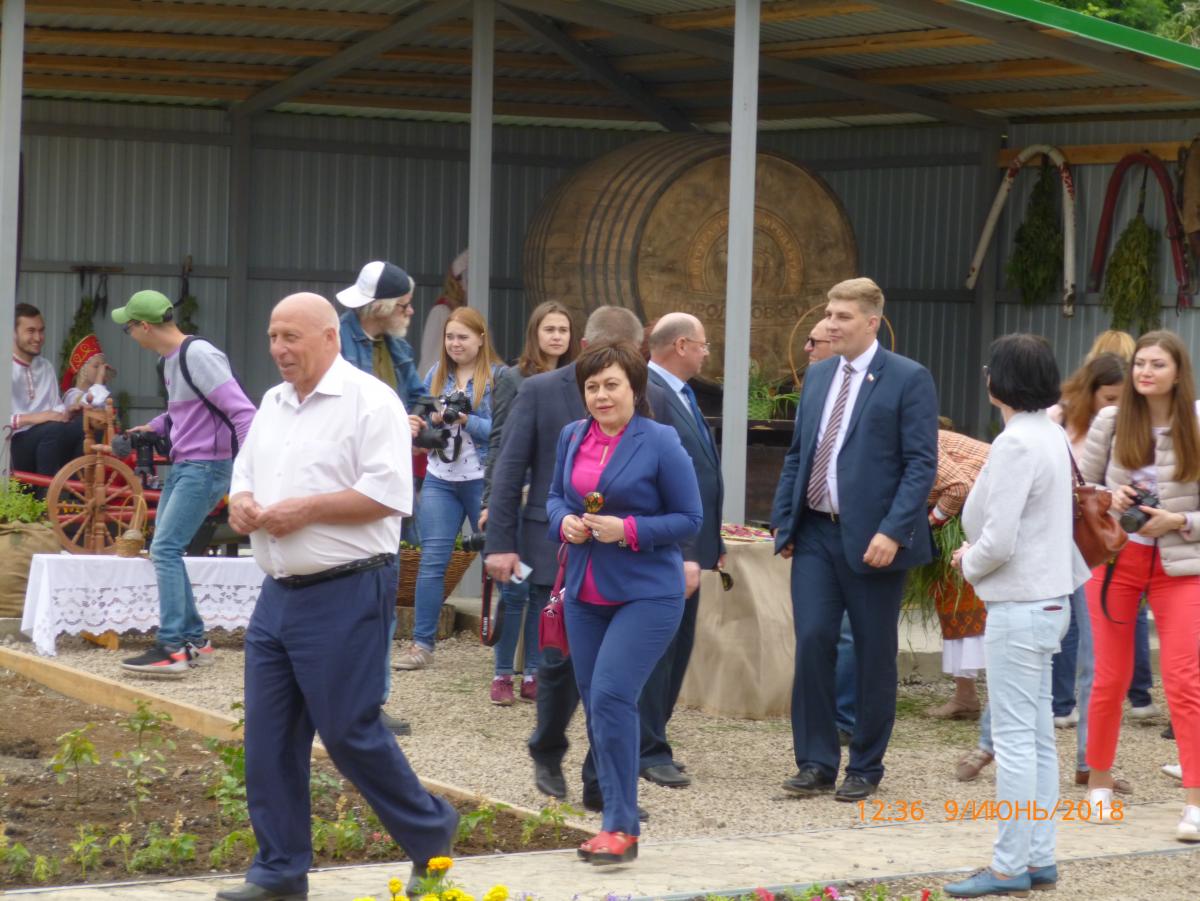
1074 670
845 682
1143 676
192 489
444 506
1020 640
518 601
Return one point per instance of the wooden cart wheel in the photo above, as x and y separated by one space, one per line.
92 501
811 316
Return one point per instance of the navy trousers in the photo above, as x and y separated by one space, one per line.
823 587
315 662
613 649
662 689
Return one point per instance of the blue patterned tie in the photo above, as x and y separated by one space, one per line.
691 399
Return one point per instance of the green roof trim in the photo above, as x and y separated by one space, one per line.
1095 29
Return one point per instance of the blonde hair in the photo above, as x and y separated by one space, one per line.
862 291
484 363
1112 342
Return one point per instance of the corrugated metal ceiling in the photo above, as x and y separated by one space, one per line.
528 73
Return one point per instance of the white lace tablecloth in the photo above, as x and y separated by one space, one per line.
70 593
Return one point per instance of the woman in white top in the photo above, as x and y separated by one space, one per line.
1147 451
453 486
1021 559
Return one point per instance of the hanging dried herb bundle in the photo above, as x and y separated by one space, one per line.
1035 267
1131 280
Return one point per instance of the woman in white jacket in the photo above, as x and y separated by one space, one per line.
1021 559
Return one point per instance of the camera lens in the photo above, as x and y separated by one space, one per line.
474 542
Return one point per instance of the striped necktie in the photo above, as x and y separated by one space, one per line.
818 489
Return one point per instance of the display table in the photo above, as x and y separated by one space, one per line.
74 593
744 658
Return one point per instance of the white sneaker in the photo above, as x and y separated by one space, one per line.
1148 712
1070 721
1100 801
414 657
1188 829
1174 770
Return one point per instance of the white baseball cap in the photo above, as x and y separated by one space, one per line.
376 281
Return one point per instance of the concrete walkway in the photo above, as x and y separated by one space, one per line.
684 869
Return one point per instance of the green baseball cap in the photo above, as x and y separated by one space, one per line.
145 306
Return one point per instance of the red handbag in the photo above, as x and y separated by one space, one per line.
552 627
1098 536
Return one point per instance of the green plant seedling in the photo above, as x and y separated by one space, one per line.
45 868
75 749
86 850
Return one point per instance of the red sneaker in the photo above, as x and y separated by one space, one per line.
612 847
529 689
502 693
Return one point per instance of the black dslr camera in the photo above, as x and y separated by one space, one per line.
1133 519
474 542
145 445
455 406
436 438
430 437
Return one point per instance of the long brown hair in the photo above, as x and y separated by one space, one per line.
1079 391
487 359
1134 446
533 360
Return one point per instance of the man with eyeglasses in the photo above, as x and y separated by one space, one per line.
818 346
379 311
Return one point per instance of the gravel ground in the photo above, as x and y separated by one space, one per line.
737 765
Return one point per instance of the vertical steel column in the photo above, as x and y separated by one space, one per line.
479 221
12 61
740 277
983 310
237 300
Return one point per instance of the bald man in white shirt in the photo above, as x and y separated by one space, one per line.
321 487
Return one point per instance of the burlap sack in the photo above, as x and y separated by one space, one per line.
19 541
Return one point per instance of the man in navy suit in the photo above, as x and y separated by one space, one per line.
850 513
545 404
678 349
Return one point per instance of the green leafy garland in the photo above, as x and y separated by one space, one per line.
81 326
920 590
1035 266
1131 280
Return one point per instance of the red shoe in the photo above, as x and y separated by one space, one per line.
587 848
502 693
612 847
529 689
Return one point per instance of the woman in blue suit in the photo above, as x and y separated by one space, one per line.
624 495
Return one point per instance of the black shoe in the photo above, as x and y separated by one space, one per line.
166 663
1169 732
597 806
680 766
251 892
844 738
808 781
549 780
666 774
854 788
394 725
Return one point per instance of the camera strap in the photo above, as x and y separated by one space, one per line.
212 408
457 443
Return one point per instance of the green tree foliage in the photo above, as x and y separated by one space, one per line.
1148 15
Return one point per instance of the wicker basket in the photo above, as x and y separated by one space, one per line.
133 539
410 563
445 627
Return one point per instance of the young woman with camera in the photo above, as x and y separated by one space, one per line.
453 487
1147 451
551 341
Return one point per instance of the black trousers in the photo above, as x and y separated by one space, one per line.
661 690
47 447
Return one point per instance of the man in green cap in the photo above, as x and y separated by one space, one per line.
207 417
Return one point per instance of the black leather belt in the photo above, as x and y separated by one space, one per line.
830 517
336 572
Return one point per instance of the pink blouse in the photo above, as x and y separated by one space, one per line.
593 455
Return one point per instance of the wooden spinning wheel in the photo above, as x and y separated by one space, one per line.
95 498
804 325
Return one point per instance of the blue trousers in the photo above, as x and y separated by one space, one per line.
846 683
314 662
519 601
444 506
824 587
192 489
613 649
662 689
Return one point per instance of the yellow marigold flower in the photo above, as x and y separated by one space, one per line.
496 893
395 886
431 896
439 864
366 898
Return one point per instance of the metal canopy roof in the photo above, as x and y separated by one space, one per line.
616 64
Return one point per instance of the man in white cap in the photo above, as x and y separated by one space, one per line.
379 311
454 295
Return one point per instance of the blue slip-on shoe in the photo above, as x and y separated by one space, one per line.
1042 879
985 882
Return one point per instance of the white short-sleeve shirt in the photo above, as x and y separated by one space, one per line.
350 432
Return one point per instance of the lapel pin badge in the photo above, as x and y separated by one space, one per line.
870 377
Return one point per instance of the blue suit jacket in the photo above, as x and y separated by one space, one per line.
886 465
650 478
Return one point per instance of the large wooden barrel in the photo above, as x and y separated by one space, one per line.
646 227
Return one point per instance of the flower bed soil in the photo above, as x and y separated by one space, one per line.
45 816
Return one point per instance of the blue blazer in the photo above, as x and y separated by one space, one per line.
649 477
885 468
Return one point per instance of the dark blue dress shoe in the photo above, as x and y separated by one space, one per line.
809 781
854 788
250 892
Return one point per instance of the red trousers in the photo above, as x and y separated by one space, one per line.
1175 602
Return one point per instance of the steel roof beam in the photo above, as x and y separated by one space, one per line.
599 69
366 49
1029 39
600 15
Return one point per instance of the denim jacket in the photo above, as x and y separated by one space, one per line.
479 423
357 349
